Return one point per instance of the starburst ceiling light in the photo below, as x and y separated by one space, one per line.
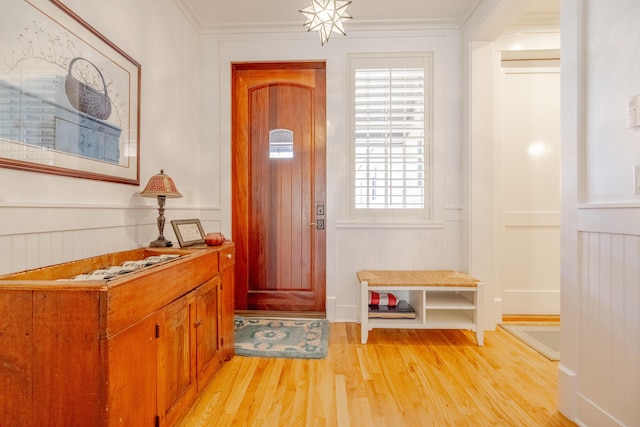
326 16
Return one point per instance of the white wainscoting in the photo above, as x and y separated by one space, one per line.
361 246
609 324
33 236
599 368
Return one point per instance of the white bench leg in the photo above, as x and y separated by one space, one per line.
364 333
363 311
479 316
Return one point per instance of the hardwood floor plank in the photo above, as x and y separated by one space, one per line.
400 378
341 402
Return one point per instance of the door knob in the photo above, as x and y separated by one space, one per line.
319 224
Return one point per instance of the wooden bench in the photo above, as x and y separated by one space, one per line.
441 299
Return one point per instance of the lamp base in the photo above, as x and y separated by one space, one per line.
161 243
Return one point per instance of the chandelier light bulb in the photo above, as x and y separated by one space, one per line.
326 16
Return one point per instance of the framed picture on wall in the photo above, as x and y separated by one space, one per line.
188 231
71 97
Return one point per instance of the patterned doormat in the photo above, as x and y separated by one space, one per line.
543 338
287 338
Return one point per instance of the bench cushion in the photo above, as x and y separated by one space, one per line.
416 278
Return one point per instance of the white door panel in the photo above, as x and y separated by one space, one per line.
529 191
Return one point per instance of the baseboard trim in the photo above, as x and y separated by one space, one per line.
590 414
567 392
531 318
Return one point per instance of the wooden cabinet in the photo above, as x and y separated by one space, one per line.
132 350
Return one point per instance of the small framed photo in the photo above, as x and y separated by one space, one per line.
188 231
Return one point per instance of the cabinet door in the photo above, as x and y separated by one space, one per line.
131 386
207 325
177 383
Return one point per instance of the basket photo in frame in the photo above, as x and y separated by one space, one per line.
71 96
188 231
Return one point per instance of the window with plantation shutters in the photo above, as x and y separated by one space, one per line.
391 129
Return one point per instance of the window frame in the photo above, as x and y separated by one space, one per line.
425 59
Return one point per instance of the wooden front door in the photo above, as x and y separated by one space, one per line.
278 185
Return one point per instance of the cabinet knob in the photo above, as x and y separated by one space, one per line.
229 256
197 323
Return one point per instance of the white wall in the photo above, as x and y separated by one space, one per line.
47 219
482 163
600 355
185 129
354 245
484 36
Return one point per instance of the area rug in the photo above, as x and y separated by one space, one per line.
287 338
543 338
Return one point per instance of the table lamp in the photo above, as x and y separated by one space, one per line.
160 186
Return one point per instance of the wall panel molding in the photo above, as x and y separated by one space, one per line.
40 218
614 220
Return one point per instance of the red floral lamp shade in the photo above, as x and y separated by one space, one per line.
160 185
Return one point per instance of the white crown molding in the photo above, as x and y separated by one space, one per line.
298 27
288 27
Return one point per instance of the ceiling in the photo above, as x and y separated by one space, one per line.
211 15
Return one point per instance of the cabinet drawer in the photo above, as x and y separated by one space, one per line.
227 257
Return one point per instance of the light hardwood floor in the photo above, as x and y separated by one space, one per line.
399 378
